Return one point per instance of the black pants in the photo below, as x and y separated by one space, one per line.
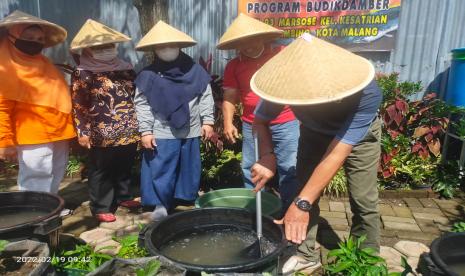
110 176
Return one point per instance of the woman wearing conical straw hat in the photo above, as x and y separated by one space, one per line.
333 93
35 105
252 39
104 114
174 106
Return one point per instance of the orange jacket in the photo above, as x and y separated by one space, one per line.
26 124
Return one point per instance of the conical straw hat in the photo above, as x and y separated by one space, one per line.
54 34
311 71
244 27
163 33
93 33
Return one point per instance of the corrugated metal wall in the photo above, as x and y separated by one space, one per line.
428 30
118 14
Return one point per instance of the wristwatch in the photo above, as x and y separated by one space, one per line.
303 204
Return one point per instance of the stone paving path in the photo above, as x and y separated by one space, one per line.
408 224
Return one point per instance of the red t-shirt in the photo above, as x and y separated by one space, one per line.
237 75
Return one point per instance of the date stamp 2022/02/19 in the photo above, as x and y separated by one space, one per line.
50 259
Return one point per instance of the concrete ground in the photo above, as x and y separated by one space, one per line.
409 225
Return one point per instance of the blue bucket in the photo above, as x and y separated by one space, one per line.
456 84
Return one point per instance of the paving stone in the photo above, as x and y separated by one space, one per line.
391 225
435 211
413 262
392 256
386 210
388 233
335 221
428 203
324 205
327 214
83 210
78 224
113 247
427 228
336 206
447 203
129 230
397 219
412 202
426 238
120 223
333 237
444 228
411 248
454 213
97 235
435 217
402 211
143 219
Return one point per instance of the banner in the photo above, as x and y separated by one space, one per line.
357 25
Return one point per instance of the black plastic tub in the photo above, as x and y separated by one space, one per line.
48 207
448 254
157 234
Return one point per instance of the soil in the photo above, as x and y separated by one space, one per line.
9 266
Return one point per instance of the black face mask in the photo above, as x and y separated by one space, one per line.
28 47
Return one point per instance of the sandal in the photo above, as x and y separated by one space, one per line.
106 217
130 204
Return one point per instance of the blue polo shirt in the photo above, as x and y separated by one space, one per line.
348 120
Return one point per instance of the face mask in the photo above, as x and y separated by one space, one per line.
168 54
105 54
28 47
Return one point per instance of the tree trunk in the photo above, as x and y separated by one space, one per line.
150 12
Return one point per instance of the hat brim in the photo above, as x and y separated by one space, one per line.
313 101
151 47
236 42
93 44
54 34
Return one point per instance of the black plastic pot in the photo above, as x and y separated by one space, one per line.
449 250
39 227
156 234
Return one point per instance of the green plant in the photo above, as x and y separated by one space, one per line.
129 247
3 244
150 269
75 165
83 257
447 179
351 259
412 133
459 128
458 227
338 185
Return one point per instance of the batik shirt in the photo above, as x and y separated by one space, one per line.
103 107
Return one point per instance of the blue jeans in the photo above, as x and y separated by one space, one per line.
285 140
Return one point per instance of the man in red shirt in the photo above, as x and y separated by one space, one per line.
251 38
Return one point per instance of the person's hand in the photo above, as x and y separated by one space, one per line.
148 141
84 141
295 224
230 132
263 170
207 132
9 154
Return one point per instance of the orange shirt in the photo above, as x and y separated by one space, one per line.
27 124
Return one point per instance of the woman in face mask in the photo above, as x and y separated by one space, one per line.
105 118
35 105
174 107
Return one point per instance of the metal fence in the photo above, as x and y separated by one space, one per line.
428 30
